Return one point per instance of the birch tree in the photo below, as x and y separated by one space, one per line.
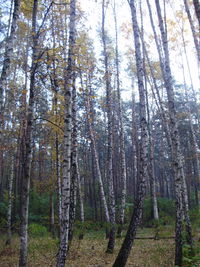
176 152
9 51
121 129
137 213
111 242
68 82
28 144
197 9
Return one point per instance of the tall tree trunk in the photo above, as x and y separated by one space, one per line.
28 147
68 81
96 158
74 162
177 160
135 146
137 213
194 34
121 129
8 51
81 200
152 180
111 242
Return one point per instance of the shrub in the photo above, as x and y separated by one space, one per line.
190 259
37 230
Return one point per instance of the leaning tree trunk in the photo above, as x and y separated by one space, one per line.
28 147
197 10
137 213
194 34
177 160
68 81
111 242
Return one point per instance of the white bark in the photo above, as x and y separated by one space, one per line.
96 159
107 75
121 129
194 34
28 147
66 183
9 51
137 213
177 161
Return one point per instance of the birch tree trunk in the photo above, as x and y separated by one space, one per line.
9 51
68 82
28 146
197 10
194 34
152 180
121 130
177 160
111 242
135 146
74 163
137 213
96 158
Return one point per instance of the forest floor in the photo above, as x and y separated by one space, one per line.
90 252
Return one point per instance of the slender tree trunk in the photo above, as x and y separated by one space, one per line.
28 149
194 34
177 160
152 180
197 9
96 158
135 146
68 81
111 242
74 162
81 200
121 131
8 51
137 213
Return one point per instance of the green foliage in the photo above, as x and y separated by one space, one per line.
166 209
39 208
195 216
3 214
37 230
190 259
3 209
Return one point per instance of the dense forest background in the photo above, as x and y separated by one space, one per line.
99 121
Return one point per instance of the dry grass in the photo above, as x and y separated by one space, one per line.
90 252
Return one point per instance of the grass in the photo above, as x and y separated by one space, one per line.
90 252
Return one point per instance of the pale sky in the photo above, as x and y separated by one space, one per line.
93 10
